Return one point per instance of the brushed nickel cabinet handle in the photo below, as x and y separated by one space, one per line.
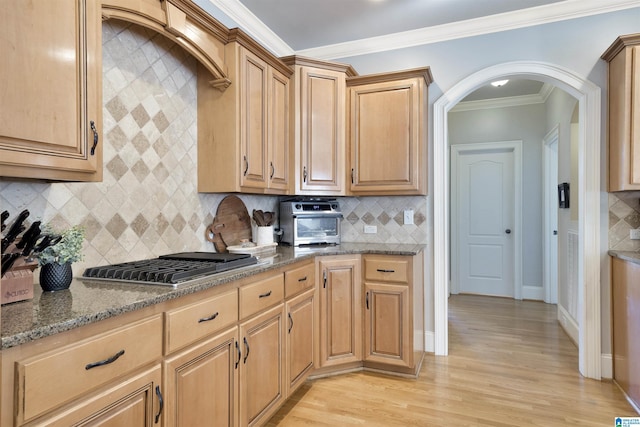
246 166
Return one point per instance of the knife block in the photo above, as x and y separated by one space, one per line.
17 283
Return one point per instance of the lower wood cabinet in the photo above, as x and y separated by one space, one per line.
626 326
262 379
229 356
301 337
201 384
129 403
393 313
340 310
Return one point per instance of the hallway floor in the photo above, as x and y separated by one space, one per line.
509 364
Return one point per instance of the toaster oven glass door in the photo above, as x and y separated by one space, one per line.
317 229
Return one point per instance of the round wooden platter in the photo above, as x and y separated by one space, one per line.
231 226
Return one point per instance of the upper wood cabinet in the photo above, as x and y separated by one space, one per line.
388 133
624 113
51 86
243 132
318 94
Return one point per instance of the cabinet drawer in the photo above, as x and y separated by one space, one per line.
386 269
260 295
49 380
193 322
298 279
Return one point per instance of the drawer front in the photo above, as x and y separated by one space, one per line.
387 269
260 295
195 321
47 381
298 279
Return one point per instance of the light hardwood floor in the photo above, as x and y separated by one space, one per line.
509 364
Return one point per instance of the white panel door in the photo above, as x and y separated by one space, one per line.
485 222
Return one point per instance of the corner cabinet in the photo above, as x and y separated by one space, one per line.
388 133
623 57
393 313
318 94
340 311
51 86
243 130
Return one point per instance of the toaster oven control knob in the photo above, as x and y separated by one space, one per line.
298 206
334 206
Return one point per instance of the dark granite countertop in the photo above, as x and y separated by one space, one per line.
626 255
87 302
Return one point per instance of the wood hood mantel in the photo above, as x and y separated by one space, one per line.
183 22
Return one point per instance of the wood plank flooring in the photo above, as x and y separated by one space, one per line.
509 364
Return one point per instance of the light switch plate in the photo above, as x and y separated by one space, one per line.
370 229
634 234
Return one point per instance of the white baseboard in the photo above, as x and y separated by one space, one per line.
569 324
606 370
535 293
429 341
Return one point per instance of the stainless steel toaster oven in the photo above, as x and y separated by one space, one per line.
310 221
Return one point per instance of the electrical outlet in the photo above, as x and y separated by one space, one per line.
634 234
408 216
370 229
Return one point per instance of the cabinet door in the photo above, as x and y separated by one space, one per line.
130 403
322 132
300 338
51 90
279 138
202 384
387 138
253 120
387 324
262 372
340 311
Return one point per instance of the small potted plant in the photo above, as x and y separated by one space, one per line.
55 260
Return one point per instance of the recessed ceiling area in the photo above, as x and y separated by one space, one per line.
515 87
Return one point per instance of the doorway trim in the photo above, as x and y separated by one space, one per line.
589 257
550 160
516 148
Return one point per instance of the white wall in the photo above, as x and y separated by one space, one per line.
528 124
575 45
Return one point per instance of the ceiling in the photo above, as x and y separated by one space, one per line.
333 29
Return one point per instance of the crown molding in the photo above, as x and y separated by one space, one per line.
253 26
568 9
505 102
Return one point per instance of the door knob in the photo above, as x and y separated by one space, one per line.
508 231
555 232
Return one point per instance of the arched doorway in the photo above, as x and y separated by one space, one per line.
588 96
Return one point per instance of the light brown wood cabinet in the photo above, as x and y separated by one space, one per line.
301 337
262 370
623 57
339 310
388 133
243 131
228 356
626 326
318 98
391 318
202 383
51 109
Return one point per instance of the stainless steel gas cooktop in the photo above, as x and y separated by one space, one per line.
170 270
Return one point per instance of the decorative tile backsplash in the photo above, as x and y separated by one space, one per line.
624 215
148 204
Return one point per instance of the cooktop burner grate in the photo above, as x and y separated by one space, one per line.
171 269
